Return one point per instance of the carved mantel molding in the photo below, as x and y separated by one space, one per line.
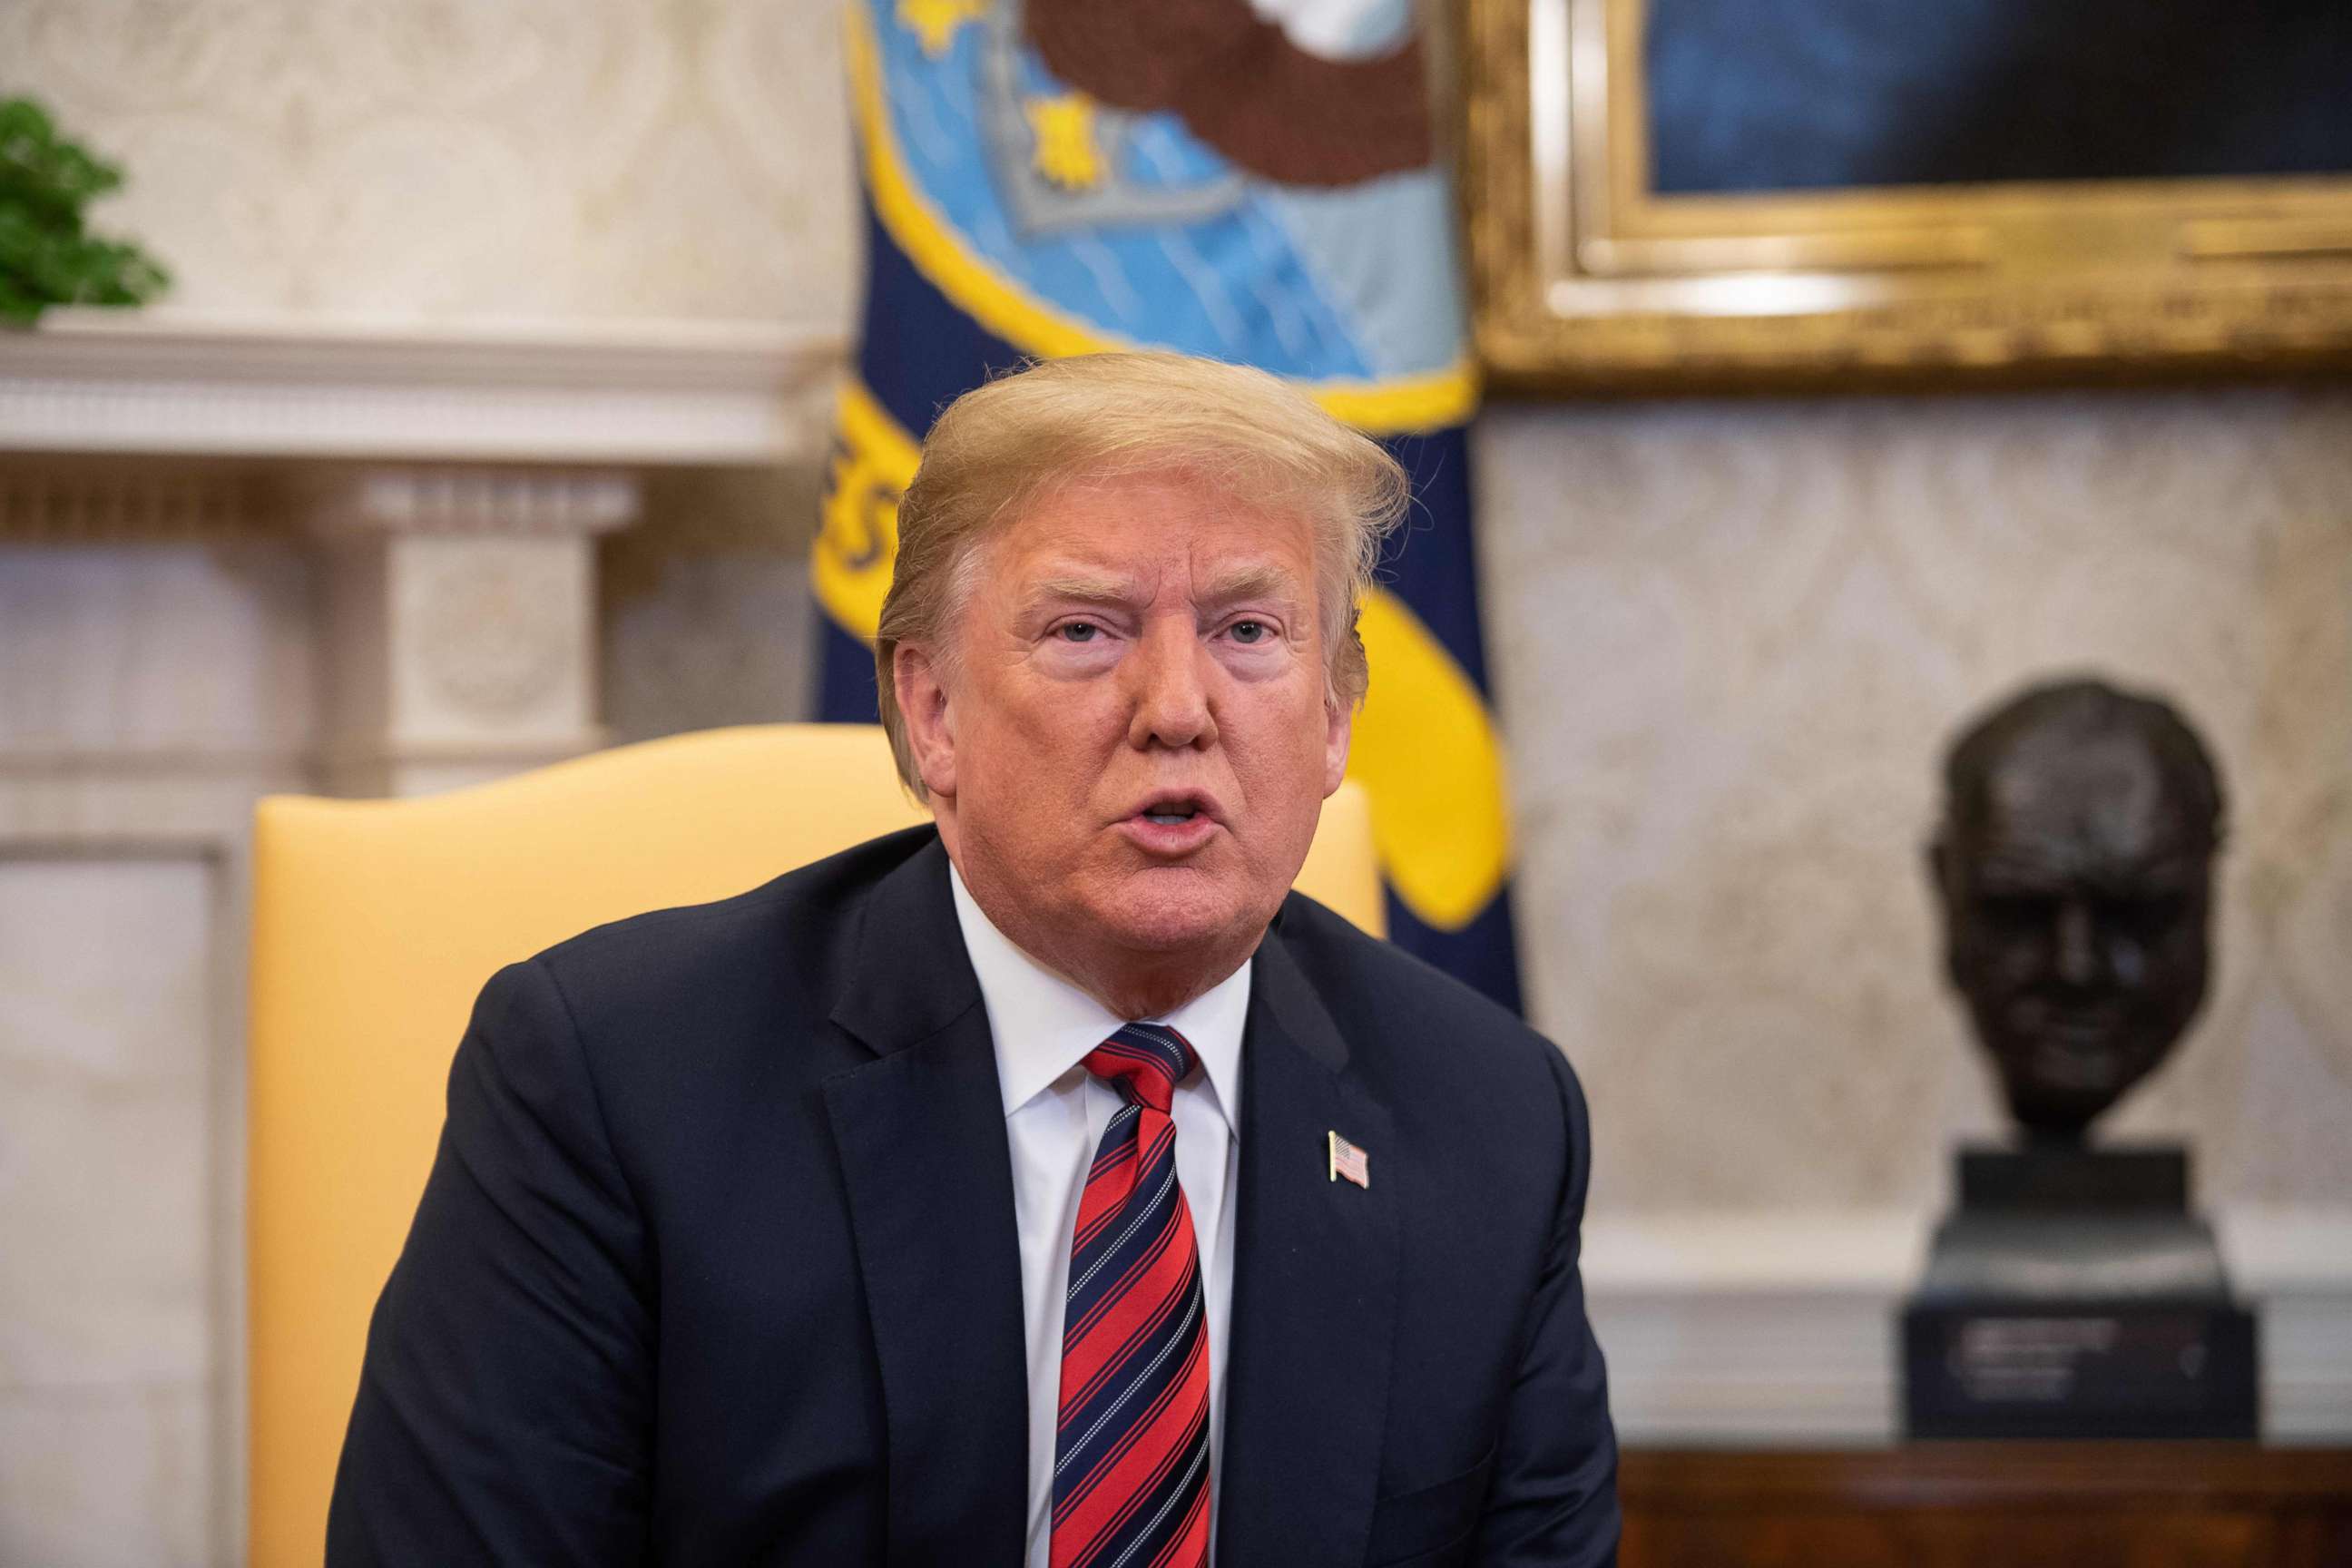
450 482
343 502
648 394
85 500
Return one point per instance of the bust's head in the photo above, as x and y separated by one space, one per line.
2074 869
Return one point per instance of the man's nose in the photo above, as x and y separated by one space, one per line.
2077 939
1169 683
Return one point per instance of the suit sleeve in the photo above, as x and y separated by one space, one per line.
504 1403
1553 1500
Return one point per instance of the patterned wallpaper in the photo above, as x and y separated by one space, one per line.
1733 641
436 158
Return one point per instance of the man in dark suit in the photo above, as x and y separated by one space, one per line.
1049 1187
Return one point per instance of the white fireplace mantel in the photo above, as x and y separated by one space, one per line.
654 394
246 555
452 479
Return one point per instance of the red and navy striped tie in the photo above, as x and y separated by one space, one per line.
1131 1455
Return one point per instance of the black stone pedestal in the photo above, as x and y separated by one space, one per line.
2073 1295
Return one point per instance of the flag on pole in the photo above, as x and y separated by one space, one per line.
1247 180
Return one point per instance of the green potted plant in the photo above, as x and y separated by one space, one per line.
46 256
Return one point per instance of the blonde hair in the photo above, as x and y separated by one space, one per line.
1004 446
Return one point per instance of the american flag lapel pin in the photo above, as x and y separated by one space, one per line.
1350 1161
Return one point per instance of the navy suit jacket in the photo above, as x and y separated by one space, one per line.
717 1264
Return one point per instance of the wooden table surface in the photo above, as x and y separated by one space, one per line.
1989 1505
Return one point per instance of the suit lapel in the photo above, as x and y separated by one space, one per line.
1314 1291
924 1154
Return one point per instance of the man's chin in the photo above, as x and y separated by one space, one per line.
1170 932
1169 910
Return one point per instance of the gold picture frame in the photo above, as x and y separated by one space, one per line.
1585 279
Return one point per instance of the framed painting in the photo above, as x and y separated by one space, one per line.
1694 194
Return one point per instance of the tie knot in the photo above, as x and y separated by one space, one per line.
1144 1062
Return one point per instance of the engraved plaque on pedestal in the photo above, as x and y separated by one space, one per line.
2073 1295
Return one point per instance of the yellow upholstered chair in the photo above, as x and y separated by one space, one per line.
374 923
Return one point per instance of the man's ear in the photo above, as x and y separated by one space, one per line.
923 707
1339 714
1338 729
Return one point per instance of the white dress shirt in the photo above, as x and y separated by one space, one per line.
1054 1113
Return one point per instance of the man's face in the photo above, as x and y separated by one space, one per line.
1131 745
2075 911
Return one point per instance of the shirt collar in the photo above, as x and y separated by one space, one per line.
1043 1025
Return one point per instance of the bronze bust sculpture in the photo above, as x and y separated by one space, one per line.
2071 1291
2074 871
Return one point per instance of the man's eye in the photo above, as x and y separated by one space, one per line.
1250 631
1078 631
2151 913
2018 911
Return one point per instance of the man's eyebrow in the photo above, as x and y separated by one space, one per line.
1079 587
1249 582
